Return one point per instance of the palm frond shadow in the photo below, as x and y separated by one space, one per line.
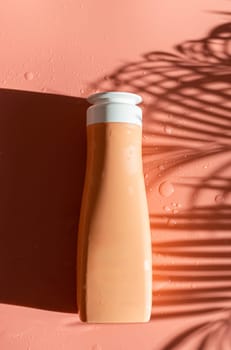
187 104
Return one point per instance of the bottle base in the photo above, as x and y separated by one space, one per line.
116 320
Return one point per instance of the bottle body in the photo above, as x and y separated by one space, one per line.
115 274
114 242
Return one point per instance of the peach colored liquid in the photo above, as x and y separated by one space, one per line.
114 242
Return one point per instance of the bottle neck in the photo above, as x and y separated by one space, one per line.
115 146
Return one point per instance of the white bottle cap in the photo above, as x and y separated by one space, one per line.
114 106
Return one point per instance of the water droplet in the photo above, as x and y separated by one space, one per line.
219 198
166 189
28 75
171 222
96 347
146 176
205 166
178 205
161 167
144 72
106 77
173 204
166 208
150 189
175 211
168 129
82 91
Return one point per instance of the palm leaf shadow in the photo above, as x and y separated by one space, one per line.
187 102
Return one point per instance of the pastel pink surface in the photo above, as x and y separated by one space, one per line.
154 48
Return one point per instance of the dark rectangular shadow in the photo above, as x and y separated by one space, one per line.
42 166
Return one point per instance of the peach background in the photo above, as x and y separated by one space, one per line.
176 54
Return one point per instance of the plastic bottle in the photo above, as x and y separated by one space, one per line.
114 266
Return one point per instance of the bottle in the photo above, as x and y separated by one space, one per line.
114 265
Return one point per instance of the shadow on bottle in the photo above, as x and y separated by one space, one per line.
187 122
42 158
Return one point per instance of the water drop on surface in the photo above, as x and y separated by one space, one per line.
96 347
146 176
205 166
168 129
178 205
175 211
161 167
166 189
171 222
166 208
28 75
82 91
219 198
173 204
